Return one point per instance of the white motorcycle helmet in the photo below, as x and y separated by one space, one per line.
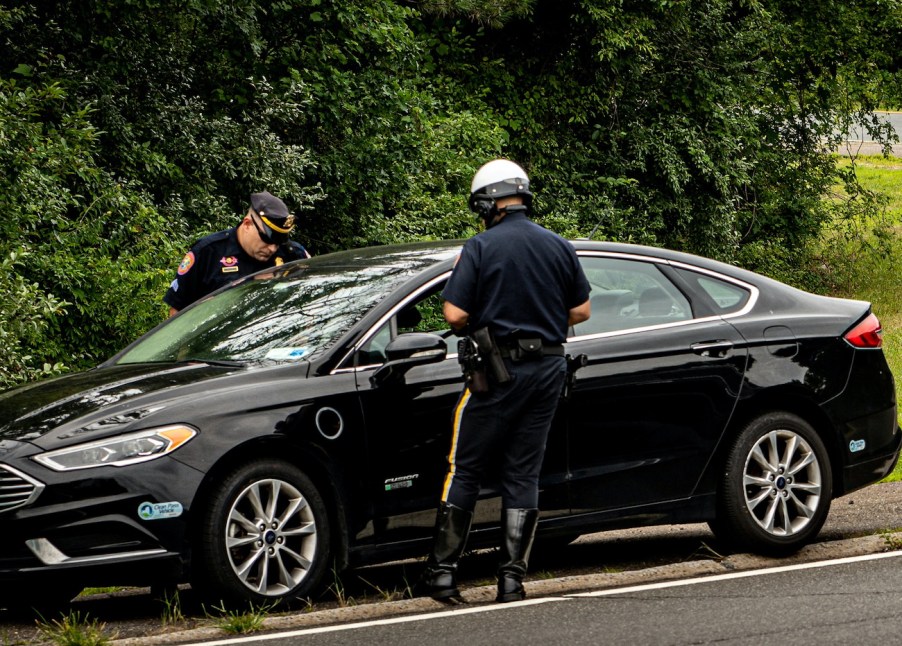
498 178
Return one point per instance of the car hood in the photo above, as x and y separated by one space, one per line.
97 400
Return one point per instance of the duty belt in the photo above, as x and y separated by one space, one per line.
529 349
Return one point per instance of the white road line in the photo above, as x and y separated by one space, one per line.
379 622
529 602
735 575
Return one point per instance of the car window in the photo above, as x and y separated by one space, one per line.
423 314
628 294
725 297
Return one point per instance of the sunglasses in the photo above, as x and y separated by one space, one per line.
266 234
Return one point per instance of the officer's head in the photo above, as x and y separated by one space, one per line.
266 226
496 185
272 218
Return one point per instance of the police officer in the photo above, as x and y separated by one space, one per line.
259 241
525 284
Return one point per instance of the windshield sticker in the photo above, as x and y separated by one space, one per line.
156 511
856 445
286 353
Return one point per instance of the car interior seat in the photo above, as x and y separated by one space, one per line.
654 302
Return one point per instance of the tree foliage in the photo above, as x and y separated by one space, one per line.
128 128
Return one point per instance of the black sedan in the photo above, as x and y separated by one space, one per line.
299 421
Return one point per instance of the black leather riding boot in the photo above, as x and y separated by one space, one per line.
518 528
452 525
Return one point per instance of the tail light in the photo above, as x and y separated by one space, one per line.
867 334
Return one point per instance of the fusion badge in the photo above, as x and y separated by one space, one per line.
401 482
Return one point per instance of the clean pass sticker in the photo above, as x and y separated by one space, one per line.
158 510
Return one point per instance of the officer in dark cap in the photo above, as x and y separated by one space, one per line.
259 241
515 290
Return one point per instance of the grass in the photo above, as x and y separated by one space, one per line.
107 590
243 622
876 278
74 630
172 608
892 540
881 175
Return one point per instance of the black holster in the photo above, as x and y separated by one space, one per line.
491 355
472 366
481 361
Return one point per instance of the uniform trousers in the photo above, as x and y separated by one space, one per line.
501 435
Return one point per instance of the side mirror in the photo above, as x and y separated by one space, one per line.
405 352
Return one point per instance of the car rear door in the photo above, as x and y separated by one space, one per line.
662 378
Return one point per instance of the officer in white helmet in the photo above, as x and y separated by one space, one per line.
516 288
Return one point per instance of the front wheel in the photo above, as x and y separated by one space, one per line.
776 488
264 536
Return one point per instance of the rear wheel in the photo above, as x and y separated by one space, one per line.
264 538
776 488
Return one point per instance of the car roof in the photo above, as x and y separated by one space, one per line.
430 255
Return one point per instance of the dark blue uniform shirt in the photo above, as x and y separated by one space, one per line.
519 279
217 260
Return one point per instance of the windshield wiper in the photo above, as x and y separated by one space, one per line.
215 362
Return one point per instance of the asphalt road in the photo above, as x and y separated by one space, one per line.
861 523
849 601
859 142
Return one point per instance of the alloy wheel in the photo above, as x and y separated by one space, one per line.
782 480
271 537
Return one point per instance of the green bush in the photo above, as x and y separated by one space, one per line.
93 242
130 129
25 312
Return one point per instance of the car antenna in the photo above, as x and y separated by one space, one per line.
598 224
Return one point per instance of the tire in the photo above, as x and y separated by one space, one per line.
776 488
264 537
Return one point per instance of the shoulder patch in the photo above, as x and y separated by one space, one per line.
186 264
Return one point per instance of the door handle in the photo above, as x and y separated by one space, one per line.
712 348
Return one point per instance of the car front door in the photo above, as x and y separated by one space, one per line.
409 426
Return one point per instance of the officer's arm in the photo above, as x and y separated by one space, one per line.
579 313
172 312
456 317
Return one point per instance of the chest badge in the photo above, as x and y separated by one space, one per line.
229 264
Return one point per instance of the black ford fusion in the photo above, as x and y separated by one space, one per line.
300 419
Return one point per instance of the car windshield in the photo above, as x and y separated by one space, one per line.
283 315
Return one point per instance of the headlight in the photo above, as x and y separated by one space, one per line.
118 451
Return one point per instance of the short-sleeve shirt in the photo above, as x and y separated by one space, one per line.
519 279
217 260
